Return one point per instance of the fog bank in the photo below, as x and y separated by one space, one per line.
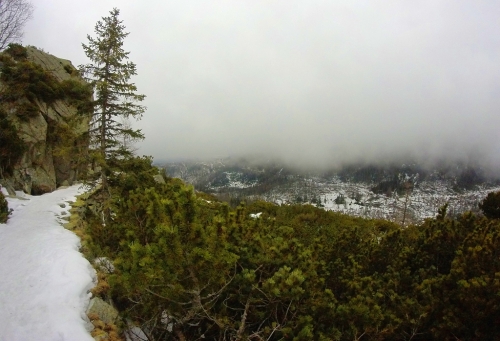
311 82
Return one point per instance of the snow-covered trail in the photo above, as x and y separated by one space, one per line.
44 280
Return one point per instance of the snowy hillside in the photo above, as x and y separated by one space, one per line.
358 199
407 192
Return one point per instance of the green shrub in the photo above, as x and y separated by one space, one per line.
11 146
25 79
68 69
17 51
295 273
78 94
27 110
491 205
4 209
28 79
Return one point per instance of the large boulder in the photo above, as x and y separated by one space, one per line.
55 132
105 311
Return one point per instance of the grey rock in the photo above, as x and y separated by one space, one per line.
49 162
8 186
106 312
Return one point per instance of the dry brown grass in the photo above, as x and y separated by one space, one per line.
106 331
102 286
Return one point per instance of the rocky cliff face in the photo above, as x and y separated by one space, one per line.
48 104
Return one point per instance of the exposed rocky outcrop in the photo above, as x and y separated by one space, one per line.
54 132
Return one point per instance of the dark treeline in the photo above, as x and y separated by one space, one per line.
188 267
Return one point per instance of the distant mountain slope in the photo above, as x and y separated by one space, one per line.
407 192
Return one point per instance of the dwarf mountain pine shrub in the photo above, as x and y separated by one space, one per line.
4 209
12 146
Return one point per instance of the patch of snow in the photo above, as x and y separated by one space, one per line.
44 290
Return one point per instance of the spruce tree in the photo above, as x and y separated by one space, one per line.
115 97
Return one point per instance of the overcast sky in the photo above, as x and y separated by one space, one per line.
306 80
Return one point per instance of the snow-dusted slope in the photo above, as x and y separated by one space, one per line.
357 199
406 193
44 280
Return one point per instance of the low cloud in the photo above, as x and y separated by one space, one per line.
310 82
